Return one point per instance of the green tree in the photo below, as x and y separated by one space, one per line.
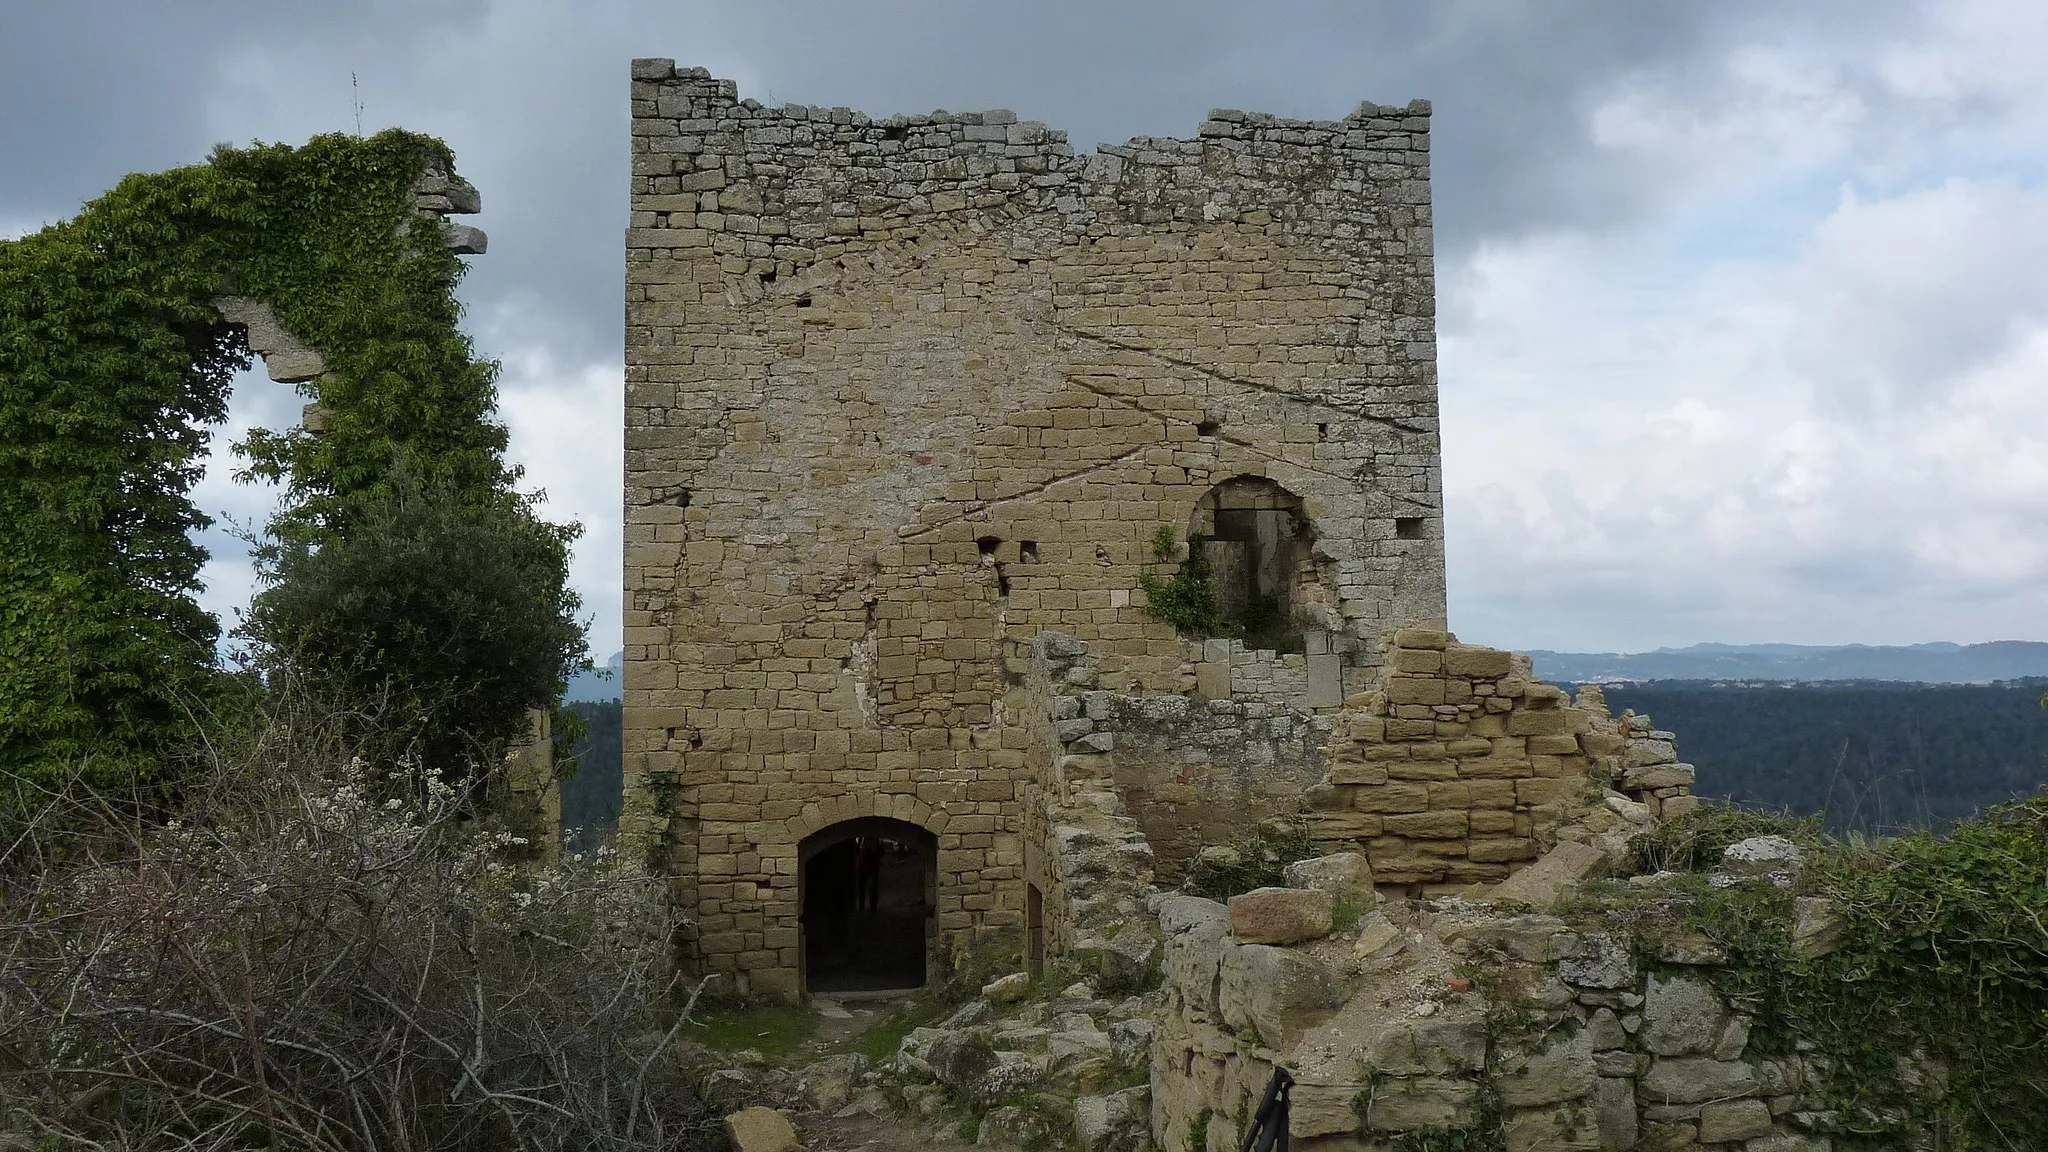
434 618
113 366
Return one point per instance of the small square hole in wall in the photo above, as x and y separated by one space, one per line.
988 544
1408 527
1208 428
1027 551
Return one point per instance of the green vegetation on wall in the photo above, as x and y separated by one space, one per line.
1187 599
112 366
1930 1014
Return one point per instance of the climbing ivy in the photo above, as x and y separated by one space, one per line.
1932 1014
113 367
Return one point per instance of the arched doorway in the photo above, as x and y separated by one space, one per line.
869 898
1256 540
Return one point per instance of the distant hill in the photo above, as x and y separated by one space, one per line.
600 684
1923 663
1874 756
592 797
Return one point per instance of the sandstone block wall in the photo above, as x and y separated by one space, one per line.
1459 763
1544 1034
904 392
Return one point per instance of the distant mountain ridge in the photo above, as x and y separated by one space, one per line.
1939 663
593 686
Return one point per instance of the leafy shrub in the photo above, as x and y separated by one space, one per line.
1187 599
1931 1012
113 366
1259 860
1694 842
437 619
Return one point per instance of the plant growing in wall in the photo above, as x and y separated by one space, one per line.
113 365
1187 599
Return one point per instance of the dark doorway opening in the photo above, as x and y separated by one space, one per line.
869 902
1256 539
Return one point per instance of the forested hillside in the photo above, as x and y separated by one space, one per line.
1872 755
590 798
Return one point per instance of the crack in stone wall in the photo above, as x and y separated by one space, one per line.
932 384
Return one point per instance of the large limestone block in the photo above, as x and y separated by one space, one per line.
1476 663
1561 870
1429 1046
1819 928
1549 1130
1734 1120
1694 1079
1415 1103
1274 993
761 1130
1322 1109
1280 915
1113 1122
1614 1111
1563 1070
1682 1016
1344 875
1595 960
1197 934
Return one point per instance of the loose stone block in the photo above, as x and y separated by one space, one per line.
1280 915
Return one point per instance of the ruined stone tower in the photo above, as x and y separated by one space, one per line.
917 409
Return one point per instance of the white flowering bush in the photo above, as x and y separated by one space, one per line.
306 959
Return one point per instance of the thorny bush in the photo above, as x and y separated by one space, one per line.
310 960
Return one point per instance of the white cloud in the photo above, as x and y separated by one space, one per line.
567 429
1843 444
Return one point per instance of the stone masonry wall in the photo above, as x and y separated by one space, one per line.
902 393
1453 1016
1459 767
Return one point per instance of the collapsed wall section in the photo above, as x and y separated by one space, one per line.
903 393
1460 767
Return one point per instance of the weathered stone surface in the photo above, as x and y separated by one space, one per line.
1562 1070
1692 1079
1682 1016
1530 938
1595 960
761 1130
829 1084
960 1059
1275 993
1113 1122
1344 875
1007 989
1430 1046
286 358
1011 1126
1323 1109
1197 932
1130 1042
1409 1104
1614 1113
1734 1120
1762 856
1789 1142
1818 928
1280 915
1549 1130
1377 935
1560 870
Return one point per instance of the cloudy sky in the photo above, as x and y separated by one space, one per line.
1743 309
